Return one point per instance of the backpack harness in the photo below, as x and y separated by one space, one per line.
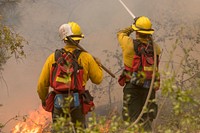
66 73
66 78
142 66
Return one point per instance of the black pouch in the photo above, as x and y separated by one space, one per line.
87 102
87 97
49 102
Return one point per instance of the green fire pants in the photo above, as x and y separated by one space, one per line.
133 101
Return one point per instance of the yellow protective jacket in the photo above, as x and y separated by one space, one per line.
91 71
126 44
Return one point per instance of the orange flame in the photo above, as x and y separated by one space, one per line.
36 122
105 128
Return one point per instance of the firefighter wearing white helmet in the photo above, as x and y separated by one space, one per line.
91 71
135 89
72 30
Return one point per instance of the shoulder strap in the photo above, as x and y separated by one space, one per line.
58 53
136 43
77 53
141 48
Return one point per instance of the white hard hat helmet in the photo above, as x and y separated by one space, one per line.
72 30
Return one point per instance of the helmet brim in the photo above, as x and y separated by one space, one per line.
75 38
150 31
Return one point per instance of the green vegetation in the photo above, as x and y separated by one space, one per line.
11 44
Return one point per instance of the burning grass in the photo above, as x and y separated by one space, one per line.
37 121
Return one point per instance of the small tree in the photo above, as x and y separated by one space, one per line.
11 44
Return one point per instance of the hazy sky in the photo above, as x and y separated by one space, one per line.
38 21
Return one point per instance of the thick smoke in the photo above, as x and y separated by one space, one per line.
38 22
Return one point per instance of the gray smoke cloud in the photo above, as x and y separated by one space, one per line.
38 21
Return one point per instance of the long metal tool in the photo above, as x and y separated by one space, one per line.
102 66
132 15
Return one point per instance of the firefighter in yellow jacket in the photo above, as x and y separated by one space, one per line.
91 68
134 95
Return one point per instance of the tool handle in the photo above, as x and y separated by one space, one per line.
132 15
108 71
101 65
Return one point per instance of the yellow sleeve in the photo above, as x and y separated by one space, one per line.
43 82
126 44
123 36
91 69
95 71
